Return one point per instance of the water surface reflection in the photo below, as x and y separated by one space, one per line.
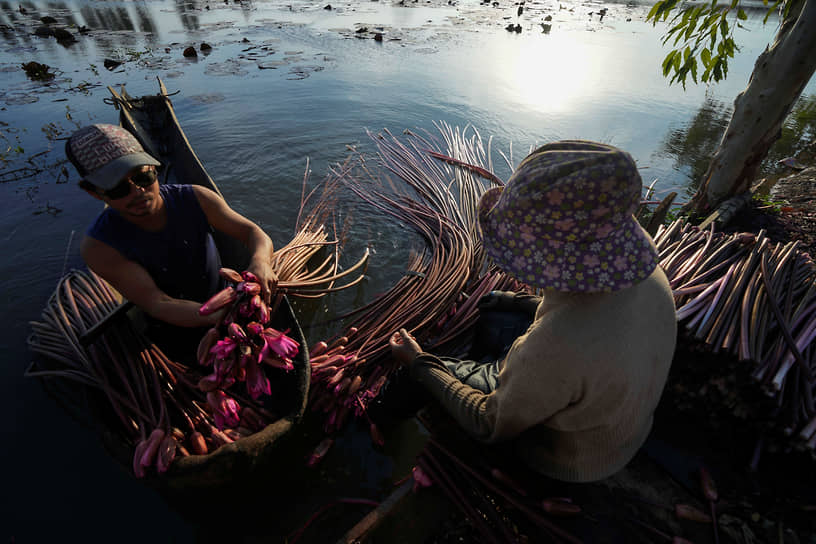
285 82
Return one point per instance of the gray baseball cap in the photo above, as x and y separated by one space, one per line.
104 154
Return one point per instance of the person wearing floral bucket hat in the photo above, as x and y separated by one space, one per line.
576 391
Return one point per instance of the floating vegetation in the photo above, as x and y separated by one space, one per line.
36 71
302 72
229 67
207 98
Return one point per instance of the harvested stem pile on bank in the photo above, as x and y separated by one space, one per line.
436 298
744 295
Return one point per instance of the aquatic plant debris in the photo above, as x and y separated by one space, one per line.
37 71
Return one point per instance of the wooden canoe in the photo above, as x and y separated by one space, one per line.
153 121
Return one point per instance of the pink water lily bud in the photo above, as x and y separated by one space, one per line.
232 434
278 362
206 344
257 382
254 328
279 343
230 275
219 438
320 452
225 409
167 452
245 310
209 383
149 454
262 313
138 469
249 287
218 301
249 276
420 478
237 332
223 348
198 444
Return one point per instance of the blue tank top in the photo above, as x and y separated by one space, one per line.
182 258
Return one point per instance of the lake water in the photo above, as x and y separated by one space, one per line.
283 83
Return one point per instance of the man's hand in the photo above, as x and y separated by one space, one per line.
404 347
266 277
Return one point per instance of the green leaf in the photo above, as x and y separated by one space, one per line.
694 70
657 7
741 15
705 56
724 27
686 54
668 61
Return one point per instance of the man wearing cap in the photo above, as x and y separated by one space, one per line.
153 243
576 392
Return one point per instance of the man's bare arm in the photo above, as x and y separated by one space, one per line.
136 285
223 218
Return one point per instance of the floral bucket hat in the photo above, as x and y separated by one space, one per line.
564 220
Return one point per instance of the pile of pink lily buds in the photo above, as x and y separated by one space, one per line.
240 346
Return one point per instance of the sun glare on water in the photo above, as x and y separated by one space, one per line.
555 75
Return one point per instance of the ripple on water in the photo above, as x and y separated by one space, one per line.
19 99
207 98
302 72
227 68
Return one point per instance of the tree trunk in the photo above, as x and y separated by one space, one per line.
780 74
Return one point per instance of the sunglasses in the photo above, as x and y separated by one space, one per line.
143 178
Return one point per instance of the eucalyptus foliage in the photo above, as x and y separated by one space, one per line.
702 32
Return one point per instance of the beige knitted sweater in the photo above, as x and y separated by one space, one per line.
578 390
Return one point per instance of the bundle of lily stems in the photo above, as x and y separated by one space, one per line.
743 295
431 186
158 406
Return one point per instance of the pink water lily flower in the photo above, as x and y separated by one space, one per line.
225 409
257 382
279 343
254 328
223 367
236 332
223 348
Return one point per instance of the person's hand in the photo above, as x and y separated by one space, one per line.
404 347
266 277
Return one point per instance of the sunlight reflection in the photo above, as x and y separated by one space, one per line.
553 75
